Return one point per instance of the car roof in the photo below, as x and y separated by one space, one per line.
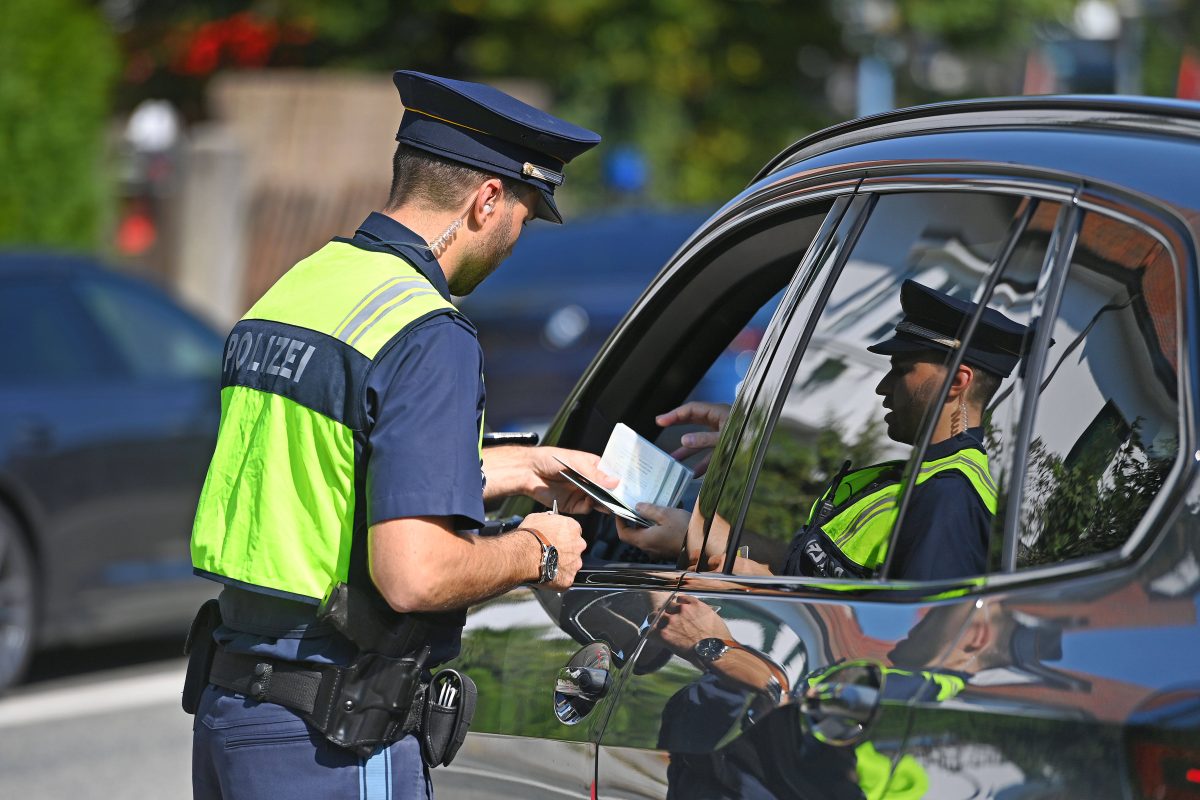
1114 112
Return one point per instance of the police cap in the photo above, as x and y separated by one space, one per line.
485 128
934 320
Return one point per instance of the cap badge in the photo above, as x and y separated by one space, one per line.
541 174
926 333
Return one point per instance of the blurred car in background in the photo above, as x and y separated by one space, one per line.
108 412
544 314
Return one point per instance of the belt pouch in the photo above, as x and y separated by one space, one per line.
367 703
200 649
449 707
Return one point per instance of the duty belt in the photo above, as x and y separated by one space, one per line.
370 703
326 695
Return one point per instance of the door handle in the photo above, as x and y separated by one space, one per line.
589 683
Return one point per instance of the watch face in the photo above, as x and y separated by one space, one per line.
550 570
710 649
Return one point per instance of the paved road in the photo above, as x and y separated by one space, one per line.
117 733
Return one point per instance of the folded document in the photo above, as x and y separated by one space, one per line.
646 474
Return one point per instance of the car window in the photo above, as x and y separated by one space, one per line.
834 440
42 335
1106 430
1013 296
153 338
693 336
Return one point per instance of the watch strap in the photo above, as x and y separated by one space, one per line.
546 547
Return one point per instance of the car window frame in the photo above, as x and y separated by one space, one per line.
917 178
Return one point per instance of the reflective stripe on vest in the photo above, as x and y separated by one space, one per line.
277 509
861 530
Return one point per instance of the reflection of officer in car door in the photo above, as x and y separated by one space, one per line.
946 529
727 732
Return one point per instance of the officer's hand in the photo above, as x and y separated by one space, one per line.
566 536
548 485
711 415
685 621
663 539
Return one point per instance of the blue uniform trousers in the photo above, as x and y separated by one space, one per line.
245 750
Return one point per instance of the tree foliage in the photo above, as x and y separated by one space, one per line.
1091 505
58 61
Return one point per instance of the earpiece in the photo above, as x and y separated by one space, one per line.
487 207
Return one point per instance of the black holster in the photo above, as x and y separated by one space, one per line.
381 697
200 649
372 702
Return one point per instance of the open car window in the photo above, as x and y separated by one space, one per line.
694 336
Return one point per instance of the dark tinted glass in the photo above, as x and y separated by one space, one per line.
834 411
42 337
153 338
1107 426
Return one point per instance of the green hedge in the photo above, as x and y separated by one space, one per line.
58 61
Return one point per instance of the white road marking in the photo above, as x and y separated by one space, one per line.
144 689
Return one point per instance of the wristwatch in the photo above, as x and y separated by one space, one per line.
710 649
548 568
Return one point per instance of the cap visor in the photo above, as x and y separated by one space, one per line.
546 209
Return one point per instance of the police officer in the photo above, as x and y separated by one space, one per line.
848 532
349 462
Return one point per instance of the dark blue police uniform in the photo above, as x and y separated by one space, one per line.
424 396
945 530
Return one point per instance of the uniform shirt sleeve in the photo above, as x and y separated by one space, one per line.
945 531
424 411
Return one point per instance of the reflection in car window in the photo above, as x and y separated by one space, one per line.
1013 297
834 425
41 336
154 339
1106 432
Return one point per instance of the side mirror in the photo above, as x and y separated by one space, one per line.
842 703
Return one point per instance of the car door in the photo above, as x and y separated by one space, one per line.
531 651
757 727
1078 656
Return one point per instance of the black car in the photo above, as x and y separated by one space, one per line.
108 413
1067 668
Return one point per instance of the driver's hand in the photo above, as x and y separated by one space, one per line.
711 415
665 538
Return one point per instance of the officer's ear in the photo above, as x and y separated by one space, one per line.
964 376
487 200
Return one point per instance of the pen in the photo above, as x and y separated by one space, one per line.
555 509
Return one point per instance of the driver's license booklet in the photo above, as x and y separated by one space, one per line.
646 474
